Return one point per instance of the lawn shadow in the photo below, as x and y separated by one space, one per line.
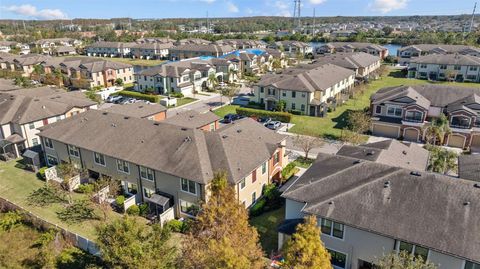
341 120
398 74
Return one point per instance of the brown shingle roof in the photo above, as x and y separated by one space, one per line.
192 119
137 110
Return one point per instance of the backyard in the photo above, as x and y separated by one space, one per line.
332 125
17 184
266 225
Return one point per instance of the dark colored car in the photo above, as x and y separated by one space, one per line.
230 118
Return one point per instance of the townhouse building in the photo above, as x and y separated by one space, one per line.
363 64
50 45
242 44
248 63
151 50
6 46
207 121
370 48
181 52
88 72
406 111
408 53
367 209
22 63
110 49
183 76
180 171
453 67
23 111
307 89
140 110
192 41
293 48
64 51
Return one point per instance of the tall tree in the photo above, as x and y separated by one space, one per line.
442 160
229 91
125 243
212 81
307 143
221 237
305 248
437 130
403 260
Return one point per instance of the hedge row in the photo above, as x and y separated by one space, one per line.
142 96
289 171
279 116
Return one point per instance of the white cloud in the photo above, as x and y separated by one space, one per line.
207 1
31 11
317 2
385 6
283 8
232 7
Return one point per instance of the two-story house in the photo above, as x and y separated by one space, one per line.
186 51
408 53
362 63
293 48
110 49
174 162
453 67
308 89
23 111
367 209
370 48
406 111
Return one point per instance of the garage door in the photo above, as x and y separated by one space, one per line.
456 141
385 130
411 135
476 141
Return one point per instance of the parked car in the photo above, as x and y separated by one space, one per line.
273 125
128 100
264 120
117 99
230 118
113 98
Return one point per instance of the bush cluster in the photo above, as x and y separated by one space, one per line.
177 95
270 200
279 116
139 95
177 226
288 171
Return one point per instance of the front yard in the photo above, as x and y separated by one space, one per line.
17 184
266 225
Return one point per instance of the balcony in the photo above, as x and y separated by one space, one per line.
413 122
461 128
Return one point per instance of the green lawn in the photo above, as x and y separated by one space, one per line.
185 100
224 110
332 125
16 185
128 60
266 225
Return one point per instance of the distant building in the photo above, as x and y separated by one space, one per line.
369 48
187 51
409 53
453 67
362 63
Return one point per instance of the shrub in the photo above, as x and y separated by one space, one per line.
9 220
289 171
139 95
78 211
280 116
120 200
176 226
296 112
143 209
134 210
86 188
257 209
41 172
177 94
46 195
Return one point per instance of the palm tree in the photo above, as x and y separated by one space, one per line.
442 160
437 130
212 80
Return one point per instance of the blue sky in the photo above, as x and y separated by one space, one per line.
54 9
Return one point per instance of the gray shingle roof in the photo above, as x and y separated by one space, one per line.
353 60
448 59
428 209
192 119
469 167
137 110
183 152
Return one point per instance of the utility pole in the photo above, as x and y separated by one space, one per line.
473 18
314 25
208 24
296 14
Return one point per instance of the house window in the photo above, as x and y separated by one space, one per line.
51 161
148 192
457 67
242 184
471 77
413 249
132 188
378 110
443 67
254 197
473 68
147 173
303 94
264 168
188 208
423 66
189 186
276 158
284 93
302 107
123 166
471 265
461 122
294 94
394 111
31 125
293 106
48 143
73 151
254 176
332 228
99 158
415 116
338 259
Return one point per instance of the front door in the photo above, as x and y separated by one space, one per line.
312 111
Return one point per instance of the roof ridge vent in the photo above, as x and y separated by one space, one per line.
466 203
370 153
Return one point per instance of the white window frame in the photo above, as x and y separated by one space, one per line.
147 170
35 141
74 149
124 164
264 168
341 252
46 159
331 229
145 190
397 248
128 191
180 207
242 182
460 116
188 186
30 125
394 107
48 143
95 159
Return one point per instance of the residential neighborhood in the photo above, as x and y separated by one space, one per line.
238 134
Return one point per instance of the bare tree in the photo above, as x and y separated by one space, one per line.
230 91
307 143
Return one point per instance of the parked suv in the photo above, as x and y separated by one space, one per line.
273 125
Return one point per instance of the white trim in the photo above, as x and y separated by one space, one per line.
180 207
122 171
459 116
46 159
346 257
104 159
72 155
188 180
395 107
146 178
